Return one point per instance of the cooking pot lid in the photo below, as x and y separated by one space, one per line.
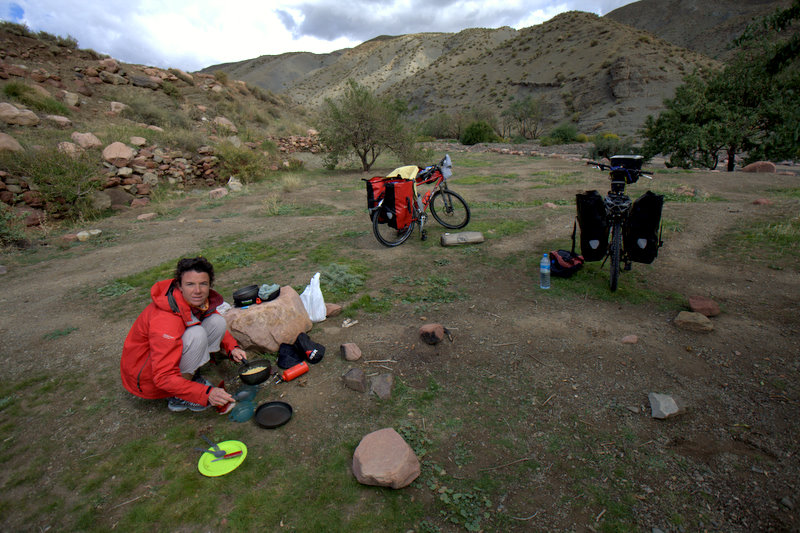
271 415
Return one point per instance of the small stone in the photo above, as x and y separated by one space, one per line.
630 339
761 201
3 270
83 236
663 406
355 379
704 306
787 502
693 322
350 351
432 333
633 409
218 193
147 216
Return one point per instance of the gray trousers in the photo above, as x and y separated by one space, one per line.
199 341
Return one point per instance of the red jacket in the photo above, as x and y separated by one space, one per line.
152 351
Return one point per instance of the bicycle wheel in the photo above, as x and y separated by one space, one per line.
449 209
616 246
387 235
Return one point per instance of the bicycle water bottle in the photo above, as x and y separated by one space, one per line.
544 272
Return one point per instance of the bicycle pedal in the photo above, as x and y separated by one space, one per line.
424 235
627 267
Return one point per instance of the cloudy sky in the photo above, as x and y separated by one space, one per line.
193 34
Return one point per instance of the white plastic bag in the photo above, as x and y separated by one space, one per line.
313 301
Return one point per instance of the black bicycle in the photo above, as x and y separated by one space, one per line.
634 227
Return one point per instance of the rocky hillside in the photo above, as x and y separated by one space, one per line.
606 74
137 127
705 27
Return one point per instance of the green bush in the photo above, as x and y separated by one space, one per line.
28 96
66 182
564 133
11 229
246 164
608 144
478 132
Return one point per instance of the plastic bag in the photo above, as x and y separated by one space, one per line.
313 301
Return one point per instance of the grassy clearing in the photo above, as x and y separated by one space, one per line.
772 241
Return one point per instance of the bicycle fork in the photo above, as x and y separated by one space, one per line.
421 217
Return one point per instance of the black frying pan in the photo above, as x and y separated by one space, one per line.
271 415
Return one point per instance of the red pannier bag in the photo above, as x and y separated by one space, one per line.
397 202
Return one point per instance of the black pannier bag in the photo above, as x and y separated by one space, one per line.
593 224
397 203
641 235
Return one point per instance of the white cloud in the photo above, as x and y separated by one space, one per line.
193 35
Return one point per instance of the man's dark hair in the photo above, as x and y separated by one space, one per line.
194 264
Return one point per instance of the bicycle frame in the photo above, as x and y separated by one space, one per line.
618 207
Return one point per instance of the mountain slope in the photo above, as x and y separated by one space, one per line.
702 26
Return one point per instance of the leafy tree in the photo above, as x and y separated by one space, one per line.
527 115
752 105
364 124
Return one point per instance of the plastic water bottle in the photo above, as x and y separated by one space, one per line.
544 272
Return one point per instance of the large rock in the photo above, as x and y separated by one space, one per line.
100 200
119 197
693 322
225 123
21 117
58 121
268 325
118 154
86 140
9 143
760 166
384 459
145 81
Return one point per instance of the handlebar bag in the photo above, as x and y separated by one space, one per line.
593 224
641 235
397 201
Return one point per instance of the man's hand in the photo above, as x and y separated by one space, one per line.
238 355
219 396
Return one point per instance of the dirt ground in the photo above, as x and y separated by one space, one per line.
549 369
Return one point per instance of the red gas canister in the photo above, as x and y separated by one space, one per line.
292 372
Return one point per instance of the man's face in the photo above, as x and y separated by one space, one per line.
194 287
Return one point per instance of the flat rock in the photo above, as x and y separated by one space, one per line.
332 309
384 459
630 339
704 306
760 166
693 322
381 386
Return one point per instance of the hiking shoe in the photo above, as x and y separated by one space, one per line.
176 405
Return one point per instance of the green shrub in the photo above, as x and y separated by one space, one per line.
248 165
608 144
221 76
171 90
11 229
478 132
66 182
564 133
28 96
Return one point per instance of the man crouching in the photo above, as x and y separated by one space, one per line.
174 336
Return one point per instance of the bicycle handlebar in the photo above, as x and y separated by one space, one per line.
601 166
